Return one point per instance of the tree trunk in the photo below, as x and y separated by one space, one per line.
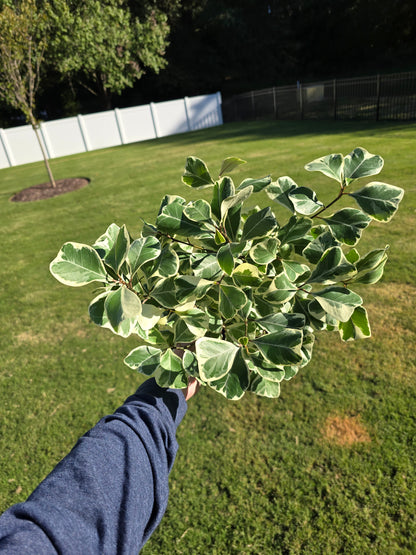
35 128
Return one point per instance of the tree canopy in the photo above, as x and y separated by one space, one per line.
105 46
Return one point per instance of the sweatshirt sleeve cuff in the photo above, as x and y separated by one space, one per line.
172 399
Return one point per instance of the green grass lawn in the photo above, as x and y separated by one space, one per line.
326 468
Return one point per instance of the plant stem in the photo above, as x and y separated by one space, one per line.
330 204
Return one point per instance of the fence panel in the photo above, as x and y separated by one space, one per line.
102 130
370 98
24 145
398 97
67 136
137 124
172 117
204 111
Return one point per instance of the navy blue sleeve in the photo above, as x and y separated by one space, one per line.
110 492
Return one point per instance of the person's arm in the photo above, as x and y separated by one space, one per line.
110 492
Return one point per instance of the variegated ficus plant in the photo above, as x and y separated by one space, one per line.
230 295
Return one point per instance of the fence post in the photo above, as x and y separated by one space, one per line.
120 126
274 103
155 120
300 89
219 108
188 119
378 97
334 96
84 133
6 147
46 141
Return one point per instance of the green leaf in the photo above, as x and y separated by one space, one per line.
379 200
149 317
182 334
142 250
105 242
97 312
118 252
165 292
154 336
168 262
197 321
295 272
191 287
144 359
333 267
279 191
281 290
234 384
352 256
304 200
122 308
215 357
281 347
307 348
290 372
190 364
318 246
198 211
225 259
170 372
347 225
279 320
219 238
265 251
236 332
357 327
77 265
234 201
229 164
247 275
232 221
259 224
231 300
370 268
196 174
149 230
294 230
265 388
224 188
338 302
257 184
172 220
205 266
360 163
332 166
265 369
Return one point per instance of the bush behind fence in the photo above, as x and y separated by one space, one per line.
379 97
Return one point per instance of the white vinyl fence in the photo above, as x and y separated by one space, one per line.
18 145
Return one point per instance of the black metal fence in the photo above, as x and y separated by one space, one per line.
380 97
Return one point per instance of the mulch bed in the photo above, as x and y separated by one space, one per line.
44 190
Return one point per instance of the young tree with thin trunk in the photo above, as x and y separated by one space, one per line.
23 42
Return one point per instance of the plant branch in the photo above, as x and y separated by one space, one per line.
330 204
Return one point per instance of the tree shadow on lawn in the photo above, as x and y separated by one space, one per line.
261 130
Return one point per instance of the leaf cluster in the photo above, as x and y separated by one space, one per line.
230 295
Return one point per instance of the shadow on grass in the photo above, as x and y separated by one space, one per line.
260 130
